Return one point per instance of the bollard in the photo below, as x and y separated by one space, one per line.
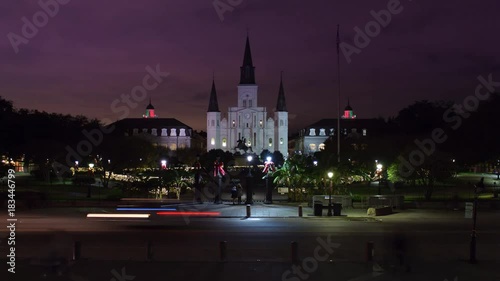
248 211
77 250
223 250
295 253
370 252
300 211
150 250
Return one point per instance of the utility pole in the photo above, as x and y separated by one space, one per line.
338 101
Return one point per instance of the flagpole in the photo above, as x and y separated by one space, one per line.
338 101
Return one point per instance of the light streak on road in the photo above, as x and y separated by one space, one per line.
211 214
146 209
129 216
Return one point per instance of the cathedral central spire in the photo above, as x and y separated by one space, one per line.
247 69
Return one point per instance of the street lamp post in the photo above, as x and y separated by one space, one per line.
473 235
249 181
379 171
268 169
330 175
91 172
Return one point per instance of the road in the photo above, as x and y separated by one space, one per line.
255 245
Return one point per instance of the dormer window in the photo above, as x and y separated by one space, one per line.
312 132
322 132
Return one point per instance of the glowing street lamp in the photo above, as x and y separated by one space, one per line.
330 176
249 181
91 166
164 164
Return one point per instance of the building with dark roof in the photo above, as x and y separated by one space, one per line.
353 130
168 132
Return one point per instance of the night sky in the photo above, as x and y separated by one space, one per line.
91 52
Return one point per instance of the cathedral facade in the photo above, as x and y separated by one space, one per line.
248 126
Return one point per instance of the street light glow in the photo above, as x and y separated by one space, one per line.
379 166
268 159
330 174
249 158
91 165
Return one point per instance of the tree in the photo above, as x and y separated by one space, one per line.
294 174
436 167
117 153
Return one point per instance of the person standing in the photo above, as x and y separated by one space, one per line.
234 192
239 190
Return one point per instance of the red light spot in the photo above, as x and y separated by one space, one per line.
188 213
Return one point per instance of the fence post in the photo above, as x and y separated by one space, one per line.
295 253
223 250
77 250
370 252
300 211
150 250
248 211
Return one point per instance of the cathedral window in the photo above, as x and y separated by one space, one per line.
250 103
213 123
281 122
212 141
270 142
224 142
234 123
254 139
281 140
244 103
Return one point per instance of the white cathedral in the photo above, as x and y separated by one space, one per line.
248 123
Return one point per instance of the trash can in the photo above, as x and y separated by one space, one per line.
318 208
337 207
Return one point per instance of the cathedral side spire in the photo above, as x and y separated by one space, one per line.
213 105
247 69
281 104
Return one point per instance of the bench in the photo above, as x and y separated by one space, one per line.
379 211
